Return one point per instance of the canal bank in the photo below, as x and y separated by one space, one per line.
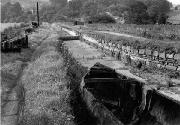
88 55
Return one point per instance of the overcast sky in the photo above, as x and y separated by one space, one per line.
175 1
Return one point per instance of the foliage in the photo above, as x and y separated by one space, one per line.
12 32
133 11
10 11
157 10
118 9
75 8
102 18
90 8
137 13
59 3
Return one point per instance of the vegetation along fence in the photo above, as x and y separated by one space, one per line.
160 32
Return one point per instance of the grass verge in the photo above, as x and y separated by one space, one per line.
47 94
75 72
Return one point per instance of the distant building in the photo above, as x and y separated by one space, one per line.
174 20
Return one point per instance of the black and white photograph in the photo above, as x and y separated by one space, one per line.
90 62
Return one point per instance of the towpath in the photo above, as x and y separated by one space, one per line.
12 89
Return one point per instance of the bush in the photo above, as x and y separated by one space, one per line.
13 31
102 18
47 97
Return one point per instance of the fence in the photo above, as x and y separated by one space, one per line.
15 44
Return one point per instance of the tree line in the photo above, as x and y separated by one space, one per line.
15 13
133 11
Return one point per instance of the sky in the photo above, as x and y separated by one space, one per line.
175 1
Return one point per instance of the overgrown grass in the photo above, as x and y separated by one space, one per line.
165 111
23 56
13 31
47 94
9 76
75 72
139 43
156 32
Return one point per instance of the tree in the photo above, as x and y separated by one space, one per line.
4 11
10 12
59 3
47 13
90 8
107 3
162 18
176 8
102 18
5 1
137 13
75 7
118 9
157 8
16 10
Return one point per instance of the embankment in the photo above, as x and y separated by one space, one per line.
75 72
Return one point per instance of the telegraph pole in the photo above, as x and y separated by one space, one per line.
38 13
